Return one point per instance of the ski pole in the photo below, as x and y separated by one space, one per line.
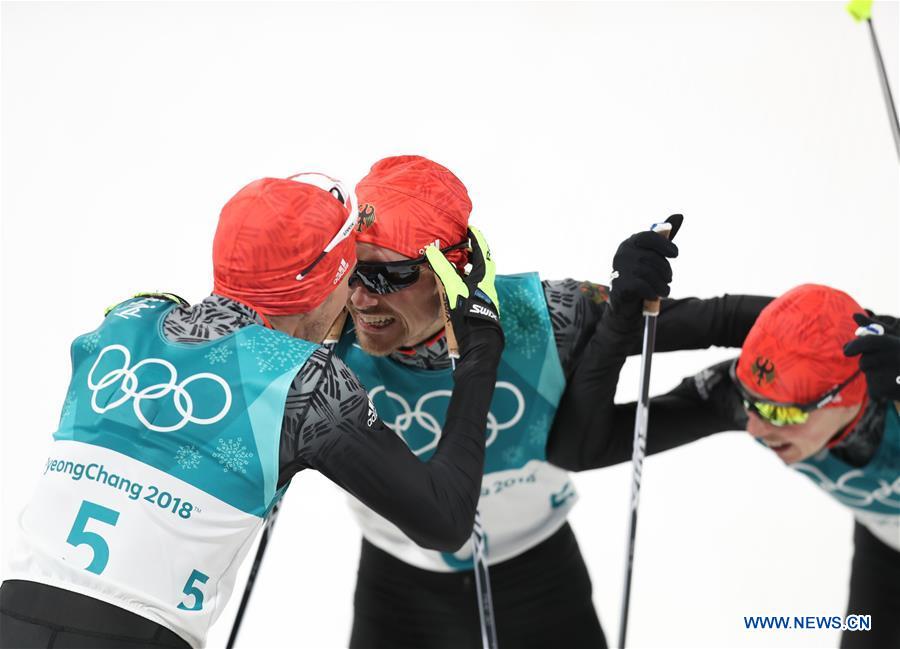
651 310
479 558
483 586
330 341
479 549
257 562
452 345
862 10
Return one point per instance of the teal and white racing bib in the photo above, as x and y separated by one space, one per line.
524 499
871 491
163 468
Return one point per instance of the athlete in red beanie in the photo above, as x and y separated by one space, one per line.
818 382
408 203
795 355
198 416
540 421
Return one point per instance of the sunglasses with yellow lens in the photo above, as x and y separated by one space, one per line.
784 414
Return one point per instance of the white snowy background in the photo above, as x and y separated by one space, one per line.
126 127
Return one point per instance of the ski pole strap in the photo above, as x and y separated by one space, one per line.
483 586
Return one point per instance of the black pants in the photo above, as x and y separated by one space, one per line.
542 598
875 591
35 615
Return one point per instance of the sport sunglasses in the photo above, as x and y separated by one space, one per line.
785 414
390 277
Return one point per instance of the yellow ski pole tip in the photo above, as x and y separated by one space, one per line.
860 9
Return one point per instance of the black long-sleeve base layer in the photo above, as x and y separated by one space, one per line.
591 431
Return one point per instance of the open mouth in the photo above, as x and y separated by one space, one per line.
373 322
778 447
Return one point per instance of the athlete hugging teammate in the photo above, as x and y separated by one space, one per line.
539 423
207 411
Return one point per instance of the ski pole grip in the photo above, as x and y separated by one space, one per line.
651 307
452 345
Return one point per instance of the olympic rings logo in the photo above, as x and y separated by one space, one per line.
429 422
129 387
858 495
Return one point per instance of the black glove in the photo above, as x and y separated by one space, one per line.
879 358
641 270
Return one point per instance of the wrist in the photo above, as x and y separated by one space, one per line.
481 339
623 319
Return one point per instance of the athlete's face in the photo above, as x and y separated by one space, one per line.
797 442
314 325
330 309
400 319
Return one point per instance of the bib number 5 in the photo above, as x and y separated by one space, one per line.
191 589
80 536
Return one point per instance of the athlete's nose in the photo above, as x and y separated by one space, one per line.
361 298
756 426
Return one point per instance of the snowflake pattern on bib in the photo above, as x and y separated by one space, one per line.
272 352
90 342
68 405
233 455
522 325
187 457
